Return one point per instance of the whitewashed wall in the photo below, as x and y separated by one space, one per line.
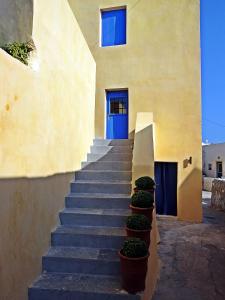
211 154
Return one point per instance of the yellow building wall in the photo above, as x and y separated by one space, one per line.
143 164
46 127
160 65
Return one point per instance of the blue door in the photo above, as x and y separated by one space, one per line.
117 115
166 188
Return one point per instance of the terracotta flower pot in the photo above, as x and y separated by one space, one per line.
141 234
150 190
133 272
142 211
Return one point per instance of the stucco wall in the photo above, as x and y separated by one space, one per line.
28 212
16 18
46 127
160 65
211 154
143 164
47 116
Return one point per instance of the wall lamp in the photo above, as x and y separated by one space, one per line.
187 161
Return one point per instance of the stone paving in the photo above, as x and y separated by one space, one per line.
192 257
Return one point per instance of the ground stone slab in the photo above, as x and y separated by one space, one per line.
192 258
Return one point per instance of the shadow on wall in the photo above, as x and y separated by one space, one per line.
143 165
28 212
190 195
16 21
143 154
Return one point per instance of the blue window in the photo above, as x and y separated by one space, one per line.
114 27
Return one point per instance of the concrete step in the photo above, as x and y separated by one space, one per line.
102 201
118 187
103 175
82 260
111 149
54 286
88 236
107 165
94 217
105 142
109 157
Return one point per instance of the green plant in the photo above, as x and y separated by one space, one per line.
145 183
142 199
19 51
138 222
134 248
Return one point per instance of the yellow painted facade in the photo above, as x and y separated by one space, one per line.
46 127
160 66
143 163
48 114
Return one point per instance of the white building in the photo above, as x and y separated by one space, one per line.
213 156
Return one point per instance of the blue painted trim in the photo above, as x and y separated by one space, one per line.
114 27
117 124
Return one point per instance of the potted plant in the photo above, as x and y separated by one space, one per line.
134 263
139 226
142 204
145 183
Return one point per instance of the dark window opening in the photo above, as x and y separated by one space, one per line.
210 167
219 169
118 106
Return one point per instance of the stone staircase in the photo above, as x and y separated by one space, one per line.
82 263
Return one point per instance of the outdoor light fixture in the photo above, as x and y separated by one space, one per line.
187 161
190 160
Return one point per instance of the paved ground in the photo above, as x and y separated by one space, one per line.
192 257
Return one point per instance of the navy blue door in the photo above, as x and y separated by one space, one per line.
166 188
117 115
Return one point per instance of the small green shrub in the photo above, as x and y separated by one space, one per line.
138 222
19 51
142 199
134 248
145 183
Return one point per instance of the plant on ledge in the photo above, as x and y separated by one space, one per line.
138 222
142 199
134 259
19 51
139 226
142 204
145 183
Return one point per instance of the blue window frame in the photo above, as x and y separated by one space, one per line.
114 27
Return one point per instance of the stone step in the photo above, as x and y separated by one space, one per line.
82 260
103 175
102 201
54 286
111 149
109 157
94 217
105 142
88 236
107 165
118 187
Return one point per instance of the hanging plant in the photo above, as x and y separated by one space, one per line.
20 51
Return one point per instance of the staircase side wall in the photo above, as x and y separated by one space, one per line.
143 165
46 128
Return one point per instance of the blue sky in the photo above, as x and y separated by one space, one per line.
213 69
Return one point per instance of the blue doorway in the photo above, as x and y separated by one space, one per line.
166 188
117 114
